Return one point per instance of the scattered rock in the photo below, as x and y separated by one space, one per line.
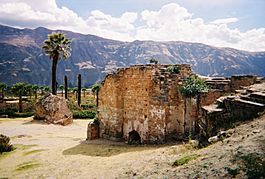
256 131
220 136
194 143
53 109
213 139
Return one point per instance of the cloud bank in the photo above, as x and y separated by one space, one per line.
170 23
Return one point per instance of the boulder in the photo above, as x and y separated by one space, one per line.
53 109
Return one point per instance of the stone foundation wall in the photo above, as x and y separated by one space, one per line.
144 99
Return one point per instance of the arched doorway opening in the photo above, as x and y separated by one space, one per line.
134 137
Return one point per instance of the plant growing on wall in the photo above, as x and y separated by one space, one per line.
173 69
153 60
191 88
57 47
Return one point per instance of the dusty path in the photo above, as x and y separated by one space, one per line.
51 151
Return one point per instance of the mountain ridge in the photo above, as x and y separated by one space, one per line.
22 59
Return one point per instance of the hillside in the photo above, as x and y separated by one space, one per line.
21 58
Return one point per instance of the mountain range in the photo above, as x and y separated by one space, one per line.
22 59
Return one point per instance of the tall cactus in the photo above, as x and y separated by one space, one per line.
79 90
65 87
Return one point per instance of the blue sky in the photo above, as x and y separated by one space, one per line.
223 23
251 13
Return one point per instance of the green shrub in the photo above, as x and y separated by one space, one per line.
84 114
11 112
5 146
96 121
87 106
232 171
173 69
185 160
193 86
8 111
22 115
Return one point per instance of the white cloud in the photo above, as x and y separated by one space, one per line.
225 20
171 23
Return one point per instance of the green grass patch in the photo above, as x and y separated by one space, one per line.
186 159
16 148
34 151
24 147
27 166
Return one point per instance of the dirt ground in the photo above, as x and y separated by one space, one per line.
52 151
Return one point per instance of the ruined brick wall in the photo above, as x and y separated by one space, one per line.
210 97
144 99
245 80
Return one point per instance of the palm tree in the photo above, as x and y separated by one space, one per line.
75 89
95 89
57 47
42 89
19 89
35 89
61 87
46 88
84 91
3 86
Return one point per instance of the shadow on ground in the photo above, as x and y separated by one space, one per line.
34 121
103 149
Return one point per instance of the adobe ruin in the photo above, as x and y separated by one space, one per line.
143 103
144 99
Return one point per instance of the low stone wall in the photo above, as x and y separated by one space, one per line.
210 96
237 82
230 109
